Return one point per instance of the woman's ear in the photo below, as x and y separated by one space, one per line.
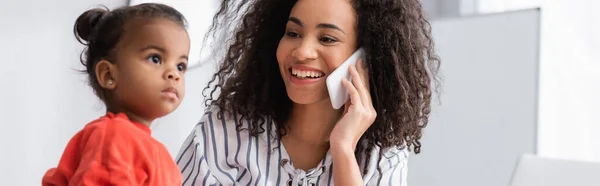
106 74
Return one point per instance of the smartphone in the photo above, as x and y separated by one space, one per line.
337 92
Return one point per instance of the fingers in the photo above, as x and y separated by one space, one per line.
347 106
354 95
363 72
359 85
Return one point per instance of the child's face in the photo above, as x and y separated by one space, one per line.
151 59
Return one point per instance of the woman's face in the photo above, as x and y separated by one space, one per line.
319 36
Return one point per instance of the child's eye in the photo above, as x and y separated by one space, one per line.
154 59
182 67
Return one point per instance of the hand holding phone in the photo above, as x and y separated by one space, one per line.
337 92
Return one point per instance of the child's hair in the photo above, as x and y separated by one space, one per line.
100 30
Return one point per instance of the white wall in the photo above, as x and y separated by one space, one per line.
436 9
570 80
569 120
488 111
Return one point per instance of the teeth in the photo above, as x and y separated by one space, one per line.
305 74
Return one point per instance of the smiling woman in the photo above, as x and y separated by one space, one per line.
273 123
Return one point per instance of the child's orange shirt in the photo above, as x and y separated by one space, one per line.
113 150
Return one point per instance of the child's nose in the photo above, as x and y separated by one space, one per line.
172 75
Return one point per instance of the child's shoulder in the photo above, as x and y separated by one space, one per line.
109 121
115 125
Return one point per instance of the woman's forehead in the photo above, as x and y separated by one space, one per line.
314 12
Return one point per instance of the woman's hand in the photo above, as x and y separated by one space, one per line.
359 113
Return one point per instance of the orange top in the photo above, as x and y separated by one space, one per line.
113 150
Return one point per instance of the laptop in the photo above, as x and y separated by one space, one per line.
533 170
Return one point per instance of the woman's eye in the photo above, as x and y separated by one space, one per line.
182 67
292 34
154 59
327 40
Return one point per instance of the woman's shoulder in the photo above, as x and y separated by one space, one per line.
215 116
385 165
385 158
216 121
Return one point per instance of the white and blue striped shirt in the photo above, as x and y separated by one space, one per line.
215 153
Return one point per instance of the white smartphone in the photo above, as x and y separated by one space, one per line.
337 92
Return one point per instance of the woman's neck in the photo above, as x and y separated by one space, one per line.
313 123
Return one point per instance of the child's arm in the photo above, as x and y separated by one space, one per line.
104 154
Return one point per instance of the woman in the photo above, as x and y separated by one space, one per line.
273 123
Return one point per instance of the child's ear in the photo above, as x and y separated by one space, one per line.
106 74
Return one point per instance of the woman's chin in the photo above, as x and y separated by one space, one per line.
309 100
308 96
302 100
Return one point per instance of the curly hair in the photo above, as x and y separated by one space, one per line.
401 63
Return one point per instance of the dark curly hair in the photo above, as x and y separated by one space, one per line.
401 63
100 29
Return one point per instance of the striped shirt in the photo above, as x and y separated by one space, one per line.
215 153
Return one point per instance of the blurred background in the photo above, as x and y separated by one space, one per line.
520 77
